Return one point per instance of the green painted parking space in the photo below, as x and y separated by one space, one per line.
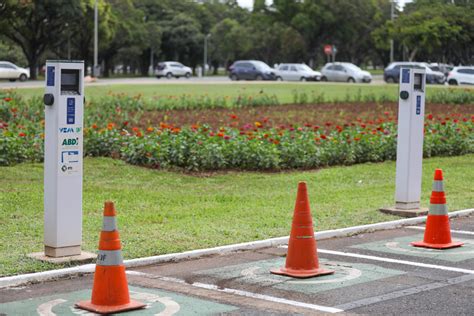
158 303
402 246
258 272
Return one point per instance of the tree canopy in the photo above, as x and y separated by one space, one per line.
135 33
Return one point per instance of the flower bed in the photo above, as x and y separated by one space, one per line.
110 130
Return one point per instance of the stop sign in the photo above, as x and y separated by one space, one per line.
328 49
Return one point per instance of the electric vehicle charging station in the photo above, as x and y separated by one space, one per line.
64 109
411 113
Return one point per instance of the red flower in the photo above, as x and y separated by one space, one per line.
220 134
7 99
430 116
328 124
226 137
323 136
356 139
22 134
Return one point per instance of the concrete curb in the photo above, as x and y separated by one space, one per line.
139 262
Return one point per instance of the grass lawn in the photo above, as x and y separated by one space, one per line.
163 212
283 91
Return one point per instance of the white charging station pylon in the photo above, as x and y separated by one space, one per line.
64 111
411 113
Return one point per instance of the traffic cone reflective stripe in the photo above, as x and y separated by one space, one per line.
438 186
438 209
109 224
302 258
110 291
437 231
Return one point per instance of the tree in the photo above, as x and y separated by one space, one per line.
436 31
128 35
182 39
35 24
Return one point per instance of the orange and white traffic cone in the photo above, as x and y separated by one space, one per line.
437 231
110 291
302 258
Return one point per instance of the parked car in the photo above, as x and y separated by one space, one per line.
392 72
171 69
444 68
461 75
297 72
251 70
344 72
12 72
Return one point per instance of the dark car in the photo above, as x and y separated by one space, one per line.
251 70
391 74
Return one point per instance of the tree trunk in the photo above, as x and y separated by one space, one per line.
413 54
32 63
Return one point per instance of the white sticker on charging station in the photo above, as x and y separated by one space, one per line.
70 154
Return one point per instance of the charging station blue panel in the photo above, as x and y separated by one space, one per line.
405 75
50 76
71 110
418 104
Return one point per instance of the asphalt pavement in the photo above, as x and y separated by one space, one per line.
377 273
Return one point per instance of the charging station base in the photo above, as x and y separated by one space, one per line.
83 257
422 211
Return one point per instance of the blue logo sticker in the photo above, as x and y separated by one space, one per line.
418 104
405 75
50 76
71 110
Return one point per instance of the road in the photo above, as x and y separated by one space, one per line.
151 80
376 273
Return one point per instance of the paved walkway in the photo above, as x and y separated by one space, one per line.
376 273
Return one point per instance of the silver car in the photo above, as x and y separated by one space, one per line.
12 72
344 72
297 72
171 69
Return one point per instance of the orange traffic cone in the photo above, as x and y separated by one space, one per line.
110 291
437 231
302 259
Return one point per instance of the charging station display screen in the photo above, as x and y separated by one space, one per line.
70 81
418 82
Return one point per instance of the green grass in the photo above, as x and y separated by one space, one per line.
163 212
283 91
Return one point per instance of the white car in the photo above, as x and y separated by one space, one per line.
12 72
297 72
344 72
171 69
461 75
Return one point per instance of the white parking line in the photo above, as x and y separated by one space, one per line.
462 232
241 293
405 262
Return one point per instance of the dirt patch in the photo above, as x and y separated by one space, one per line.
295 114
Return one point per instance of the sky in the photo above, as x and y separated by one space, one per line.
249 3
